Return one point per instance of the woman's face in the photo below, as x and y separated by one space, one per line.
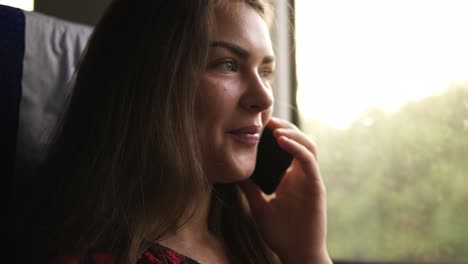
235 96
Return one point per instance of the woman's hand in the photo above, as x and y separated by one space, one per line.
293 220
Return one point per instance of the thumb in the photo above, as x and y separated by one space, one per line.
257 200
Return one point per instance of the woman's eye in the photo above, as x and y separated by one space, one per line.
227 66
266 74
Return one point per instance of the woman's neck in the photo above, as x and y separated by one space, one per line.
194 239
196 228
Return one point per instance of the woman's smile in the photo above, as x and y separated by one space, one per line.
248 135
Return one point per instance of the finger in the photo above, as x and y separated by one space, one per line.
299 137
257 200
293 132
303 156
275 123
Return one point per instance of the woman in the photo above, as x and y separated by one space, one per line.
160 138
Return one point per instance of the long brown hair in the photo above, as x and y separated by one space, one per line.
125 166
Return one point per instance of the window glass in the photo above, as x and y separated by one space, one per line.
383 90
27 5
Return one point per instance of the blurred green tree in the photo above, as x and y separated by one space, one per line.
398 182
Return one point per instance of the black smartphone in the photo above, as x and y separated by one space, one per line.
272 163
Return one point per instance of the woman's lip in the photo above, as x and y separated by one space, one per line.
245 138
254 129
247 135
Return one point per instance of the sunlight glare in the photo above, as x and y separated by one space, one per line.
352 55
27 5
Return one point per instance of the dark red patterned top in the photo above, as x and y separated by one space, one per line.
156 254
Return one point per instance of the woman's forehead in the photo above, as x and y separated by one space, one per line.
243 26
262 7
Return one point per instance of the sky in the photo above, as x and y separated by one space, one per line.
27 5
356 54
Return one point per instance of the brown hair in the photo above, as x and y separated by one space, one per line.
125 168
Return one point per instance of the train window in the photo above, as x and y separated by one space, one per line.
27 5
383 89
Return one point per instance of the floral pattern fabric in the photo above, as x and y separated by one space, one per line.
158 254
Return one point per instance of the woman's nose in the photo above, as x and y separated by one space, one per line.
258 96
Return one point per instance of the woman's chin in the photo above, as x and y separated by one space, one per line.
234 168
232 175
243 169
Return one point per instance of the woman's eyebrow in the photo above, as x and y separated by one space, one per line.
240 52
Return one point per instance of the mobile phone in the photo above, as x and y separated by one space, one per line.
272 163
